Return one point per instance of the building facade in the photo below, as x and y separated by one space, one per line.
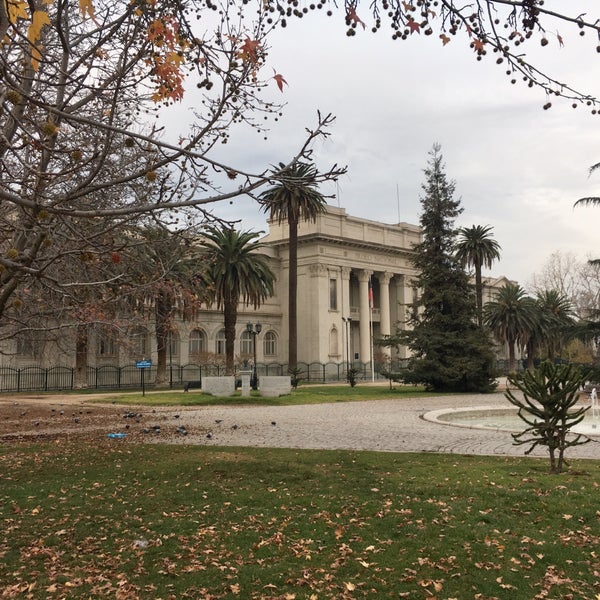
354 286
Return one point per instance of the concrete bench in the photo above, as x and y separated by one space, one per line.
272 386
219 386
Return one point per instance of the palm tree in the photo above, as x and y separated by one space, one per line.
238 272
558 310
478 249
294 198
511 316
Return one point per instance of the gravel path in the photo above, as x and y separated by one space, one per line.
389 425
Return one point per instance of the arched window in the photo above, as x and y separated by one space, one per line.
220 342
333 342
246 343
197 343
173 344
270 343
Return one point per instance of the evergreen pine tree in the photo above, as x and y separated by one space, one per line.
449 351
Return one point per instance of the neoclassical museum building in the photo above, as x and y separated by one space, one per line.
354 286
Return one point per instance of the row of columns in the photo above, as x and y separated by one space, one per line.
364 308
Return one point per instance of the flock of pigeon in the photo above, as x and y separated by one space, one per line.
78 420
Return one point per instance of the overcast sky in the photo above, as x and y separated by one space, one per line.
517 167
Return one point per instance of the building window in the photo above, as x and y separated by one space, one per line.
220 342
246 346
333 303
173 344
197 343
270 344
105 344
28 345
138 343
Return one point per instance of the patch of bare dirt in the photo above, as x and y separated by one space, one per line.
46 418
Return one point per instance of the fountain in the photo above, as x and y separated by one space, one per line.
506 418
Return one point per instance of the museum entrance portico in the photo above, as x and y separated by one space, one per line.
354 284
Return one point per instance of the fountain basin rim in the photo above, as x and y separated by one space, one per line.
444 417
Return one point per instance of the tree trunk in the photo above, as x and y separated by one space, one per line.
230 319
479 294
530 355
81 356
511 356
162 315
293 296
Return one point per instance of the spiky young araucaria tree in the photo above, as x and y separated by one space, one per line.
548 405
449 351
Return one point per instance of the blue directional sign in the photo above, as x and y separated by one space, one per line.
143 364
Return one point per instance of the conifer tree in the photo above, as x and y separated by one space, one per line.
449 351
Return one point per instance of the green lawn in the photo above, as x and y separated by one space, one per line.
124 521
310 394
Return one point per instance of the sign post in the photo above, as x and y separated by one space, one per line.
142 365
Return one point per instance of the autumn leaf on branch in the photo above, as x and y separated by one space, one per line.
353 18
17 10
34 32
445 39
168 59
86 8
249 50
279 80
478 45
414 26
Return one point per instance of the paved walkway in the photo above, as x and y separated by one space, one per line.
392 425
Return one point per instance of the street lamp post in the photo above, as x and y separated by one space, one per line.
347 323
254 330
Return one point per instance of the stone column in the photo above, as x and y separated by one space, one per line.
384 308
345 291
364 316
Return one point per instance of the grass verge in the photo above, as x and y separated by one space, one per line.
312 394
125 521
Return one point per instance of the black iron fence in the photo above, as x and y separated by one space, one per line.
45 379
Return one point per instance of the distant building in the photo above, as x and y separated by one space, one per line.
354 285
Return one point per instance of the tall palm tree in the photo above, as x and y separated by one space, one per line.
511 317
293 199
477 248
560 317
238 272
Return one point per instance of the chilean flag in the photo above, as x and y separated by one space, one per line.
370 294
